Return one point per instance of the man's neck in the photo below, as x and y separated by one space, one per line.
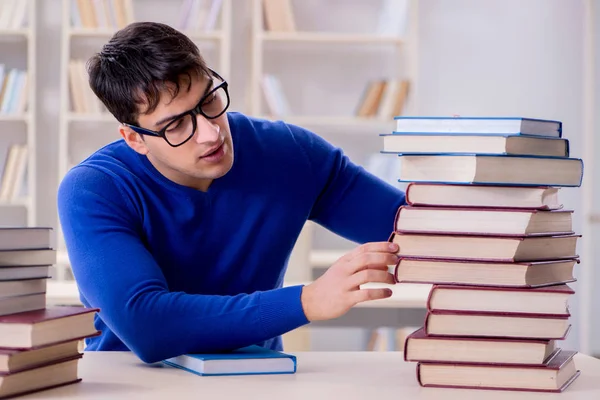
201 184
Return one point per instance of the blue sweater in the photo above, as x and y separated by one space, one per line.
175 270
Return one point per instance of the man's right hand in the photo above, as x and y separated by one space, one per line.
338 290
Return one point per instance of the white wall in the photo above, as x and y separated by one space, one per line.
491 57
506 57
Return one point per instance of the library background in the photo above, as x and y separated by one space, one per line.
341 68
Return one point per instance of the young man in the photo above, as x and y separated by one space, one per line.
181 231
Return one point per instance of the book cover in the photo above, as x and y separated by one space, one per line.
251 360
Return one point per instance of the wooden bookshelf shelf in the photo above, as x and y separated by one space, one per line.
22 202
14 117
21 33
330 38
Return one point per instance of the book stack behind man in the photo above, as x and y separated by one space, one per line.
484 225
39 345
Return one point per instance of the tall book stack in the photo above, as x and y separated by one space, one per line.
484 225
39 345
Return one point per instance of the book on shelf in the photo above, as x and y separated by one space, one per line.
13 14
101 14
522 197
491 170
479 125
13 90
82 99
274 96
553 300
249 360
278 16
556 376
199 15
383 98
419 347
497 144
14 172
483 221
484 273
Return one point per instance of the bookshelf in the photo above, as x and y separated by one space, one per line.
17 111
85 125
281 27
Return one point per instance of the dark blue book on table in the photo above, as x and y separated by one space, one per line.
480 125
251 360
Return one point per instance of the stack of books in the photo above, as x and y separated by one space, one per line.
39 345
484 225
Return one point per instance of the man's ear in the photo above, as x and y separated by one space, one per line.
133 139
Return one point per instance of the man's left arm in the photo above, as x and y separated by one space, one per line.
351 202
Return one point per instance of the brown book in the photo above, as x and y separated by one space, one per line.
51 375
370 103
484 273
20 304
27 272
433 143
22 287
42 327
435 194
483 169
483 221
497 325
554 377
22 258
454 349
486 248
549 300
12 360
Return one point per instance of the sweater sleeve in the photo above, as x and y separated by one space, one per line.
350 201
116 273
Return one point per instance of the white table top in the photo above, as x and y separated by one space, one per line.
320 375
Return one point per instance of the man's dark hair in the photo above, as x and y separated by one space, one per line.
138 63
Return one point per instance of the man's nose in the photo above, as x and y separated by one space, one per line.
208 130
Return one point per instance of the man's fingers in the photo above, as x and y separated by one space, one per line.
370 276
363 295
371 261
372 247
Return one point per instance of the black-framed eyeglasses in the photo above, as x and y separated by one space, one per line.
183 126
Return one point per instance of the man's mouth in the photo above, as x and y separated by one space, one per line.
212 151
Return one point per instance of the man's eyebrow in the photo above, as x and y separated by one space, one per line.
171 117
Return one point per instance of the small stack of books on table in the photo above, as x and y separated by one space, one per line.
484 225
39 345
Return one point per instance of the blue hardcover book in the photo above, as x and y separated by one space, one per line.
251 360
480 125
481 169
471 143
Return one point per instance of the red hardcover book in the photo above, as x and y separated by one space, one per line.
498 325
30 329
451 195
483 221
486 248
48 376
14 360
548 300
484 273
554 377
464 350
